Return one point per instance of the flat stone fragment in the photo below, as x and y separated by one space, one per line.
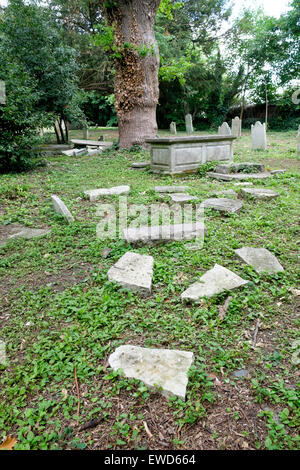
164 368
60 208
180 198
258 193
133 271
278 172
170 189
261 259
138 165
95 194
240 168
223 204
225 192
216 280
238 176
241 373
20 231
151 235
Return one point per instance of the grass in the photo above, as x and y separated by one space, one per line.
60 314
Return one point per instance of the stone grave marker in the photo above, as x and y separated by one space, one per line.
133 271
61 209
236 127
261 259
258 135
189 124
216 280
163 368
224 129
173 129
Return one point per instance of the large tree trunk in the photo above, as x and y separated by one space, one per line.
137 62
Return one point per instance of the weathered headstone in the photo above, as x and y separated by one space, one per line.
224 129
2 92
133 271
261 259
189 124
61 209
173 128
94 194
259 137
216 280
236 127
163 368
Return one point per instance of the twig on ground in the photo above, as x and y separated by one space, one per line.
255 334
77 391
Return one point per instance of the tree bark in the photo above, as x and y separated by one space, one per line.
136 67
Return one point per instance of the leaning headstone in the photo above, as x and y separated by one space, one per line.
189 124
216 280
298 141
173 128
258 193
260 259
236 127
259 137
224 129
94 194
61 209
223 204
163 368
2 92
133 271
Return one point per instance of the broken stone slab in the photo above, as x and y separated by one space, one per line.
278 172
74 152
94 194
230 206
152 235
140 165
238 176
245 167
181 198
216 280
170 189
163 368
20 231
133 271
261 259
61 209
94 151
258 193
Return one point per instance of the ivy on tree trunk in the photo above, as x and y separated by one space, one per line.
136 67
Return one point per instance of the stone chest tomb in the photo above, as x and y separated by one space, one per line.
175 155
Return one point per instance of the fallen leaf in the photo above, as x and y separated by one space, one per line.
9 443
224 308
